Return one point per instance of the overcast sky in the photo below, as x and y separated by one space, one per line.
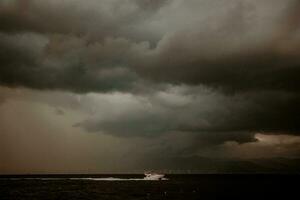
122 85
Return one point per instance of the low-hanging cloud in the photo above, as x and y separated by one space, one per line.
212 70
214 117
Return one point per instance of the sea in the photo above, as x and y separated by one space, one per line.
134 186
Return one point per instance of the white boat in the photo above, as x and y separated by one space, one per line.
154 176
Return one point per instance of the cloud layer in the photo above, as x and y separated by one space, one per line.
108 45
208 73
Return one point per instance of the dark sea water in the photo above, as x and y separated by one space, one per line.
133 187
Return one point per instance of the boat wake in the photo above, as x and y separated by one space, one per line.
118 179
148 177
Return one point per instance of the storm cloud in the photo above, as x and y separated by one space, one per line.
191 77
213 116
234 45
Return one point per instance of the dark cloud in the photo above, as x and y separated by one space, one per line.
98 19
232 74
269 111
192 75
59 111
231 55
238 46
212 117
66 63
133 126
151 4
126 141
